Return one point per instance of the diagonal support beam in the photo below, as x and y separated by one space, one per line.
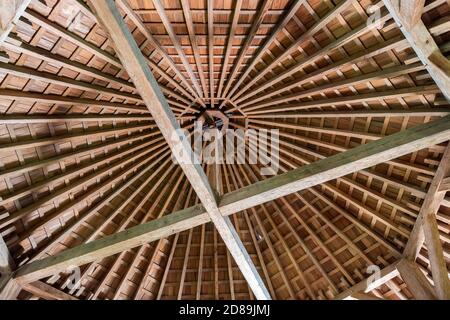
11 11
374 281
134 63
9 287
407 14
416 281
44 291
361 157
426 230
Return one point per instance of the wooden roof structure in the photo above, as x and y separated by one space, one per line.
93 207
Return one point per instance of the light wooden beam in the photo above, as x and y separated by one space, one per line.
371 283
406 14
363 296
11 11
6 261
44 291
134 62
416 281
411 10
419 112
319 172
426 230
233 27
9 287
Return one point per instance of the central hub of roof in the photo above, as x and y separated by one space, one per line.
211 118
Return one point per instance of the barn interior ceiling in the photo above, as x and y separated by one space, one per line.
93 205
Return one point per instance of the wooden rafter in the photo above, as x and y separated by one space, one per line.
262 50
426 230
237 10
416 280
407 14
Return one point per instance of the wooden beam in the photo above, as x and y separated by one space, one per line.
363 296
419 38
258 20
44 291
6 261
367 285
441 61
411 10
192 37
233 27
39 75
33 119
32 143
32 97
271 99
416 281
344 100
321 171
173 37
420 112
426 230
210 14
134 62
9 287
9 15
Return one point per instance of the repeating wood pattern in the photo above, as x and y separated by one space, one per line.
82 158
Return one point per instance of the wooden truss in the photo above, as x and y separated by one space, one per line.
145 99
